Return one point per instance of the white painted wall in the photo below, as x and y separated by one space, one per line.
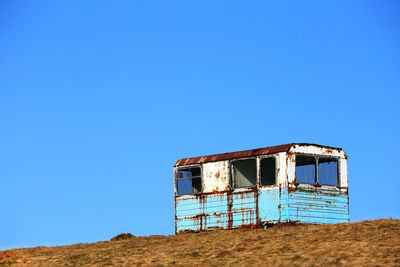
215 176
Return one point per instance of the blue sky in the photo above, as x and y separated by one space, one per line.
99 99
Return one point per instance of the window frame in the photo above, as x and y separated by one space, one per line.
317 157
189 167
276 170
232 178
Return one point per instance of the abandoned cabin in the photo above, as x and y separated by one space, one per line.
292 183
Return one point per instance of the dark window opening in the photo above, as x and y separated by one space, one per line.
189 181
328 171
305 169
268 171
244 173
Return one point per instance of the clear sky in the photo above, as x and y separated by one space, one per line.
98 99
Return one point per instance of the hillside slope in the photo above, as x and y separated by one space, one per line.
366 243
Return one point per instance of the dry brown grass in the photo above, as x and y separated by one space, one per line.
368 243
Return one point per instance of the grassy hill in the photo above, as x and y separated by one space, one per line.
368 243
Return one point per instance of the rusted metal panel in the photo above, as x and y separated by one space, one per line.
225 210
187 213
234 155
215 176
216 210
244 208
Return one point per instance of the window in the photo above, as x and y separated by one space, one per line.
308 173
189 181
268 171
244 173
305 169
327 171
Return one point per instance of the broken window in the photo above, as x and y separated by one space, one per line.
268 171
327 171
305 169
244 173
189 181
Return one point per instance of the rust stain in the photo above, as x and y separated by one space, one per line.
201 219
258 221
329 151
293 186
217 175
291 156
229 198
344 190
279 205
203 203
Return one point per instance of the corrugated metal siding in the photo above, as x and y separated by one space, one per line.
227 210
187 211
318 206
202 212
238 209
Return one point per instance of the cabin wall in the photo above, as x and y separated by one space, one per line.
311 204
220 207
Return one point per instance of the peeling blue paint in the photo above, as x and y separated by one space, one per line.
275 205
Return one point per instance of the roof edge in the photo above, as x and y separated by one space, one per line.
233 155
245 153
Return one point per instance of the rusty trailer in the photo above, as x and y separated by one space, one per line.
292 183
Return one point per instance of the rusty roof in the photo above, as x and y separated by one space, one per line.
242 154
